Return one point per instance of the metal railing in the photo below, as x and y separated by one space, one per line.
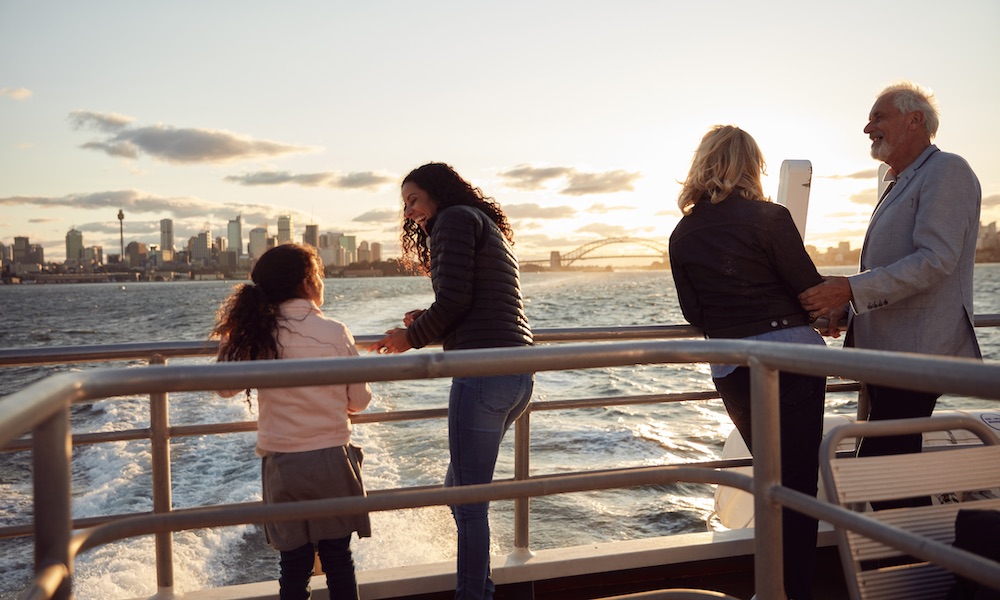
43 408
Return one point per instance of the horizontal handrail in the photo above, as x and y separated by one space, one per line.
24 409
47 355
38 403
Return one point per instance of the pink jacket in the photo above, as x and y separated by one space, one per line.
299 419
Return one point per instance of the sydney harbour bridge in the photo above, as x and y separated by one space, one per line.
588 251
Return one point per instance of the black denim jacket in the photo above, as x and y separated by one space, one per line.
738 266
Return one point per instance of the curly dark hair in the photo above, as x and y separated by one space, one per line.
446 188
246 323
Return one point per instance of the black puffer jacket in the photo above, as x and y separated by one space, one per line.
738 266
477 289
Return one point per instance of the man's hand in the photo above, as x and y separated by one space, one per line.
822 300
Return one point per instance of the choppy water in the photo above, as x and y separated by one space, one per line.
115 478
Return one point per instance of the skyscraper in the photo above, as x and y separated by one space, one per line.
285 229
376 252
235 235
167 235
311 236
258 242
74 245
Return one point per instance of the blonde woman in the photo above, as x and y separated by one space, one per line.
738 264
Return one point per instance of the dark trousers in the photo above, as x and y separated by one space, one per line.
801 402
338 564
894 403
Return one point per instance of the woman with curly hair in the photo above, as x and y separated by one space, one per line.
303 433
463 240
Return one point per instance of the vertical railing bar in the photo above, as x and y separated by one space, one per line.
51 455
766 433
522 468
159 426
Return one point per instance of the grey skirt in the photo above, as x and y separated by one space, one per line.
313 475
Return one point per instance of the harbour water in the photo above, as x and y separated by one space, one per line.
114 478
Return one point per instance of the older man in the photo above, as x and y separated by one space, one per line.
914 289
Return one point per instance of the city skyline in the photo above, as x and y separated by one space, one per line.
579 130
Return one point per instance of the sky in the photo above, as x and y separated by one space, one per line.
579 117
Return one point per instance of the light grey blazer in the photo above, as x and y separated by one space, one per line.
914 289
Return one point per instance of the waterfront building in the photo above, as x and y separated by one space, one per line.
74 246
4 253
93 256
201 247
234 233
135 255
350 250
20 250
364 254
258 242
285 229
376 252
167 236
311 236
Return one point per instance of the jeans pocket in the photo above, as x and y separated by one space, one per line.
501 394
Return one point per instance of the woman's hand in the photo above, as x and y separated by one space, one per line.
411 316
394 342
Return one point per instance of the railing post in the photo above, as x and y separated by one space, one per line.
159 425
522 462
51 454
766 430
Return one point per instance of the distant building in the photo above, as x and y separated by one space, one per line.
364 255
234 233
74 246
20 251
311 236
285 229
201 247
135 255
93 256
167 236
376 252
258 242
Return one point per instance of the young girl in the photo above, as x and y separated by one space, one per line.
304 433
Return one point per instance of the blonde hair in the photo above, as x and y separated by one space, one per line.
727 159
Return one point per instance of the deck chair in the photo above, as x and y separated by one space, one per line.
959 477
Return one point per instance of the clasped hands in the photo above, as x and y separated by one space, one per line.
828 300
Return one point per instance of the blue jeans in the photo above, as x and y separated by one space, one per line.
480 411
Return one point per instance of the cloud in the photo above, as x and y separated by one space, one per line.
991 201
382 215
605 230
136 201
108 123
581 184
602 209
172 144
866 174
526 177
865 197
360 180
534 211
15 93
